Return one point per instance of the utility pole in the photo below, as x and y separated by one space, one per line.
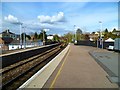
97 42
24 37
20 35
43 37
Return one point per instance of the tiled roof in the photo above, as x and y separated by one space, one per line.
7 40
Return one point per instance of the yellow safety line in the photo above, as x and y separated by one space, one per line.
58 73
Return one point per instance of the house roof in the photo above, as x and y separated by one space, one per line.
7 40
109 40
7 31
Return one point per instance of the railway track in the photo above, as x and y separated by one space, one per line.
18 73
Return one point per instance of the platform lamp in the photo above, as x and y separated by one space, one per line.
75 33
101 39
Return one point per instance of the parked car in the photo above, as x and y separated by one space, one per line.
110 48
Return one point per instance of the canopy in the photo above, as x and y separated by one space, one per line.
109 40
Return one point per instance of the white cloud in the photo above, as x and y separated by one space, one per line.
12 19
44 19
59 18
52 19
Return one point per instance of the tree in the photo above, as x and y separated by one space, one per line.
93 32
93 36
56 38
69 36
35 36
40 36
79 31
82 37
28 36
23 37
87 37
110 35
45 35
106 33
114 30
78 34
106 30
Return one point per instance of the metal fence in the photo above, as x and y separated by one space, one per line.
94 44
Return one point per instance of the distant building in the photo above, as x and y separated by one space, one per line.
117 32
6 38
50 37
97 33
7 33
94 36
4 42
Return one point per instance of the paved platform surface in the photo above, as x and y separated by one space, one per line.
79 70
109 61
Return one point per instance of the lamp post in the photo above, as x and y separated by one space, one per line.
101 39
72 36
75 33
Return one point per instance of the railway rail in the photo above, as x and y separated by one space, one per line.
17 74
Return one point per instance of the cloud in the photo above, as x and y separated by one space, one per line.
12 19
52 19
44 19
49 28
0 29
59 18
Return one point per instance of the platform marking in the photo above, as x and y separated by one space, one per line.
58 73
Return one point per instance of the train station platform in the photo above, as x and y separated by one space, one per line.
77 69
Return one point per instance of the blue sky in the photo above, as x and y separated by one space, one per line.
59 17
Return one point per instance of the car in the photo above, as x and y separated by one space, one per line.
110 48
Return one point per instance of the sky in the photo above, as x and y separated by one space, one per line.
59 17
